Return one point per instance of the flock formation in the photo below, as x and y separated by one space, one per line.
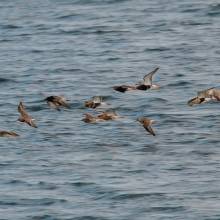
56 101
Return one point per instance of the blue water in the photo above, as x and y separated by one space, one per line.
113 170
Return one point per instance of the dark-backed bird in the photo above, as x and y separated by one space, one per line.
124 88
202 97
147 124
54 101
25 117
8 134
148 82
96 102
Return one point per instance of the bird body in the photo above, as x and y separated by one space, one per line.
147 124
97 101
90 118
54 101
8 134
148 82
25 117
202 97
124 88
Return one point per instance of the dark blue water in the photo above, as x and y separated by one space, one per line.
113 170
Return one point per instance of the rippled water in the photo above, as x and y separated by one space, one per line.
113 170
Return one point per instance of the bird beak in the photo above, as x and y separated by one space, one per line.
108 103
160 87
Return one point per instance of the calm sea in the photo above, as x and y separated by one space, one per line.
114 170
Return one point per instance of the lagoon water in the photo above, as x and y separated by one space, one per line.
114 170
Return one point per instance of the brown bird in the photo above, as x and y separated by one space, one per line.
109 114
90 118
25 117
202 97
8 134
147 124
124 88
53 101
104 116
97 101
148 82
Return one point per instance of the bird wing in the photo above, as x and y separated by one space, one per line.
61 102
97 99
148 77
147 126
88 115
30 122
111 112
53 105
22 110
203 94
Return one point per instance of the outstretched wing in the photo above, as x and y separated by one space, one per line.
31 123
97 99
88 115
111 112
22 110
147 126
61 102
148 78
203 94
53 105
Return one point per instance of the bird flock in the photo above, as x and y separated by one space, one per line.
56 101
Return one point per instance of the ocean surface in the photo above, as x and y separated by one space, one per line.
112 170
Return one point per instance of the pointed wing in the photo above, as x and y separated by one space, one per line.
148 77
14 134
61 102
97 99
22 110
53 105
203 94
30 122
111 112
88 115
147 126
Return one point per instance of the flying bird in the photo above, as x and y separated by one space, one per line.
147 124
8 134
109 114
148 82
90 118
54 101
97 101
124 88
25 117
202 97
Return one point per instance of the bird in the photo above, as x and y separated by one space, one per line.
97 101
148 83
54 101
90 118
201 98
104 116
214 92
109 114
8 134
147 124
124 88
25 117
